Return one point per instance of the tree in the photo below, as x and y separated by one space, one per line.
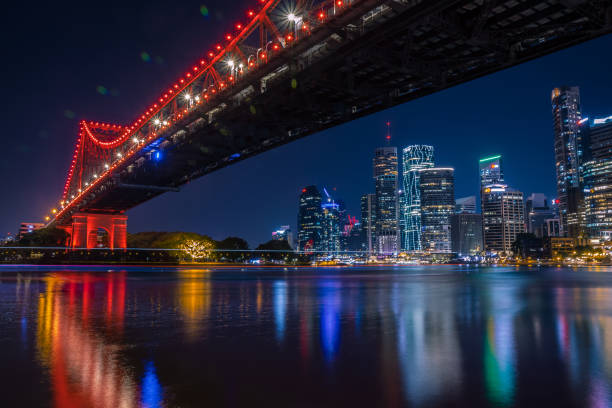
164 240
236 249
234 243
275 245
196 249
279 249
45 237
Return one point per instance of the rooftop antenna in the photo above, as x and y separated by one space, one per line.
388 137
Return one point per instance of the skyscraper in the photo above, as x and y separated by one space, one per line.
503 217
597 179
414 159
310 216
437 192
385 178
368 222
466 233
491 171
569 148
330 227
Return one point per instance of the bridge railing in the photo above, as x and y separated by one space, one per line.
62 255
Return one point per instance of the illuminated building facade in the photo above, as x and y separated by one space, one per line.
596 176
598 197
368 223
387 211
414 158
503 217
491 171
466 233
310 217
437 193
330 227
569 150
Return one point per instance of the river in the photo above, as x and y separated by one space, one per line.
406 336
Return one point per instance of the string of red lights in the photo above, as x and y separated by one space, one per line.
259 18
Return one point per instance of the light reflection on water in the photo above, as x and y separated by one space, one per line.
310 337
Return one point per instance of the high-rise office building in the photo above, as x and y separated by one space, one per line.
414 158
330 227
570 147
598 197
596 176
387 211
466 233
310 217
491 171
368 222
503 217
437 189
465 205
537 211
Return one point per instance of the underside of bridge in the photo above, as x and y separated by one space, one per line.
376 55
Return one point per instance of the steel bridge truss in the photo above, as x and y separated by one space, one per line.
297 68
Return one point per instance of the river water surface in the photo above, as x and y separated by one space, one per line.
326 337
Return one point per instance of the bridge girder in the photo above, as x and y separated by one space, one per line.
373 55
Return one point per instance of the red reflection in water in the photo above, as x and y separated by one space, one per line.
85 367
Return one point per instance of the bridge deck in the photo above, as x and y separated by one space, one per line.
375 55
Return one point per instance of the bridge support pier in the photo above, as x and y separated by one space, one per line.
85 228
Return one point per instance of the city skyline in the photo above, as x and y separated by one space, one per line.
518 122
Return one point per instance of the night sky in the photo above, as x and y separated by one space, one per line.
107 61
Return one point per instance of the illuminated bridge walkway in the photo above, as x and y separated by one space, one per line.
290 69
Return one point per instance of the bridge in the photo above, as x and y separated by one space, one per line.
291 69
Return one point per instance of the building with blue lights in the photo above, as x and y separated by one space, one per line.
331 235
310 218
414 158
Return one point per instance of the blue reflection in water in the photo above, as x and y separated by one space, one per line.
24 331
330 319
280 308
151 389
